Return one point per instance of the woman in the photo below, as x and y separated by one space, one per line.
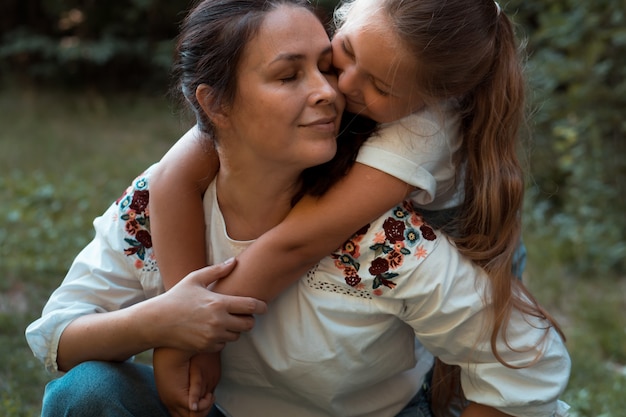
267 80
340 341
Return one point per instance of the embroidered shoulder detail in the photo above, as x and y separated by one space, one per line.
332 287
369 260
135 213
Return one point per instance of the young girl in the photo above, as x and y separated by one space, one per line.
449 109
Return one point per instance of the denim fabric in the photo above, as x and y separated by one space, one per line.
419 406
111 389
104 389
519 259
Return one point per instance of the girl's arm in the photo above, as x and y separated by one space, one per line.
314 228
176 189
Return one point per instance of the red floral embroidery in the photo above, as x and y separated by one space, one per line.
144 237
352 277
140 201
379 266
401 232
394 230
134 209
428 232
395 259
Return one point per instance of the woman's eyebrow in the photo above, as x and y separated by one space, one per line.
288 56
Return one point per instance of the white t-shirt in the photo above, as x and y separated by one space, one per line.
419 150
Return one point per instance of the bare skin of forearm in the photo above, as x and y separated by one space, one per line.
112 336
314 228
478 410
198 320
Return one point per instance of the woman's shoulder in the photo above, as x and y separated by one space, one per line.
380 258
130 218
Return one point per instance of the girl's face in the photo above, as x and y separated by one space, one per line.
287 109
376 72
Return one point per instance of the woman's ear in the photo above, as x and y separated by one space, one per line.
214 111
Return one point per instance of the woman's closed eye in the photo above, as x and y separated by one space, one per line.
288 77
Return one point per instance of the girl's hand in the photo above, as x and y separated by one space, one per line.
204 374
171 374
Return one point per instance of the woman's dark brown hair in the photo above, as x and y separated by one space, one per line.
209 47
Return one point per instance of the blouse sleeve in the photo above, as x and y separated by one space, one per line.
447 307
115 270
418 150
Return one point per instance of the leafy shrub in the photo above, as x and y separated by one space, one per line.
577 71
120 43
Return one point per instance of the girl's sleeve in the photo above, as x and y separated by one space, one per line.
115 270
447 307
418 150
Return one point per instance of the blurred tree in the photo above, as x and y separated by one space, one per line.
577 71
121 43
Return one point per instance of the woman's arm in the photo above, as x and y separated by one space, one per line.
177 185
314 228
196 320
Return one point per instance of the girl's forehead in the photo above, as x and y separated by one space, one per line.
365 13
371 20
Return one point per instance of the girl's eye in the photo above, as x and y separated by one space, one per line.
345 49
380 91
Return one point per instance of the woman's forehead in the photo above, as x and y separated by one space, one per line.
287 31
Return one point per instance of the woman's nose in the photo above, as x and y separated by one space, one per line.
325 90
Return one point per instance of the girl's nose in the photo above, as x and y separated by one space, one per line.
349 83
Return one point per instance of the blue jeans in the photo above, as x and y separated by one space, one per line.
104 389
111 389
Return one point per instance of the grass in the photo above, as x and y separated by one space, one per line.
592 312
64 158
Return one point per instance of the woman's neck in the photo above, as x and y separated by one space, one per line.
252 204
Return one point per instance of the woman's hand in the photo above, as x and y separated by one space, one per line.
191 317
188 317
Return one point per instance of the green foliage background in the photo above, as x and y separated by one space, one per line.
577 73
577 85
82 111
